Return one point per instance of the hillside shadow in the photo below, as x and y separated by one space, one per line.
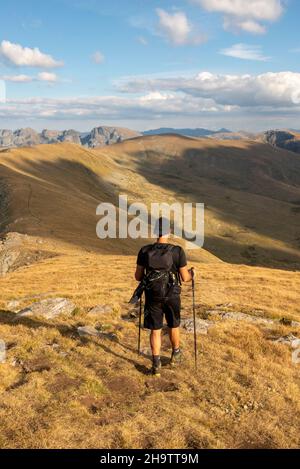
240 186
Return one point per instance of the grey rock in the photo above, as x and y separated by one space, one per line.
2 351
48 309
202 325
100 309
13 305
88 331
290 340
7 260
238 316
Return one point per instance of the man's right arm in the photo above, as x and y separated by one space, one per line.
140 269
139 273
185 274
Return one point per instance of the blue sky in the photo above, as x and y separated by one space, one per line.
145 64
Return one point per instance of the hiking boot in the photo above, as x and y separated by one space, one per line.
155 370
176 357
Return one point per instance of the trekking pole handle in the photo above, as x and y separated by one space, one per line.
192 272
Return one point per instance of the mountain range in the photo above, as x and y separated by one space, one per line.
97 137
102 136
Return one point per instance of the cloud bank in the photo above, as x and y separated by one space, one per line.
206 94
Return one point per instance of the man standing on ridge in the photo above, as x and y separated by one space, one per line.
164 266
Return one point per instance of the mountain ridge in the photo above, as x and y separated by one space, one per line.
97 137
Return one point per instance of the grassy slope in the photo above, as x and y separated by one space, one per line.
96 392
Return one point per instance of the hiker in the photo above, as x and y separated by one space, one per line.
163 266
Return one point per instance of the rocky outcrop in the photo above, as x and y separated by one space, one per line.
15 252
98 137
283 139
10 251
7 260
48 309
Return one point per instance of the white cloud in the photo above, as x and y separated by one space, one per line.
16 54
47 76
274 90
177 29
245 52
98 57
246 15
212 97
249 26
17 78
43 76
149 106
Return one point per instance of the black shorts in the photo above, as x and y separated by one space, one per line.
155 311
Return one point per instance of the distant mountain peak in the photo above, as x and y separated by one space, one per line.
98 137
188 132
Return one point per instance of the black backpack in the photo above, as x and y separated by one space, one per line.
160 279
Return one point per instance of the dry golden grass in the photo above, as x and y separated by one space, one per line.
97 393
58 390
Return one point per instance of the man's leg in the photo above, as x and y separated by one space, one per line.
155 342
153 320
174 337
173 320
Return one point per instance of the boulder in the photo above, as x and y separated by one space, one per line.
49 308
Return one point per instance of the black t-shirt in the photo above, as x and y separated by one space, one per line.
178 254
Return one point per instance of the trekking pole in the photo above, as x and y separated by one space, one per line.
140 326
194 316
